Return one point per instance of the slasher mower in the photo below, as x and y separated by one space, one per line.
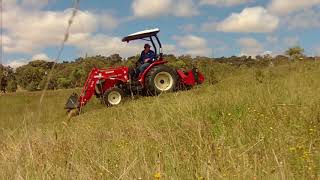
111 85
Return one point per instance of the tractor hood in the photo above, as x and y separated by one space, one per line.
141 35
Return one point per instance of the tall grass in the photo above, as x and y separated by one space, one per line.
253 124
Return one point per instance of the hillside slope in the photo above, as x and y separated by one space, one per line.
254 123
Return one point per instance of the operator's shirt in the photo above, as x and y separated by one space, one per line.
150 54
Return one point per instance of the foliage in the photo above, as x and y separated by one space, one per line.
295 52
7 79
29 76
32 86
53 84
33 76
77 77
12 86
64 82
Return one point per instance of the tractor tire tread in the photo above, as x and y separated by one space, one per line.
149 80
106 93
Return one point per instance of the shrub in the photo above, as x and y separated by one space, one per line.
12 86
64 83
33 86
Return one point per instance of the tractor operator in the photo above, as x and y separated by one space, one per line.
146 58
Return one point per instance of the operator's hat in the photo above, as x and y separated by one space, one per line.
146 45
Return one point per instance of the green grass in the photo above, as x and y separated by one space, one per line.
253 124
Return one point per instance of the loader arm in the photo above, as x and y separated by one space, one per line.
111 77
89 87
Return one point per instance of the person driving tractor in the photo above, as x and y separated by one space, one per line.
146 58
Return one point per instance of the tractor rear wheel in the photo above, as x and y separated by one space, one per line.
161 79
113 96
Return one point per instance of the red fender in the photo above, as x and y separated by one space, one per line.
143 75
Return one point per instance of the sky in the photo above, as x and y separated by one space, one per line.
34 29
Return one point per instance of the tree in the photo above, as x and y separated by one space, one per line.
32 86
52 84
3 84
295 52
8 80
64 82
77 77
114 59
12 86
29 76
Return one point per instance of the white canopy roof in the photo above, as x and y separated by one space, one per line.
145 32
141 34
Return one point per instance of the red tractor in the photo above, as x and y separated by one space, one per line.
111 85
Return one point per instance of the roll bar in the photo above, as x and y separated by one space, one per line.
146 34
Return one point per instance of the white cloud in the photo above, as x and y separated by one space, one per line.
152 9
223 2
193 45
155 8
303 20
291 41
105 45
35 4
283 7
190 41
255 19
272 39
30 30
41 56
107 21
184 8
267 53
171 49
17 63
219 47
20 62
250 47
209 26
40 29
187 28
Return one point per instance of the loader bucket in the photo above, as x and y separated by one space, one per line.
72 102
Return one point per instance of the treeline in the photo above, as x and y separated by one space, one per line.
34 75
8 81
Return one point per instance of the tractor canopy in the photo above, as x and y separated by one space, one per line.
141 35
147 35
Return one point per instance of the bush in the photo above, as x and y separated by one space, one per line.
77 77
64 83
51 85
178 64
33 86
12 86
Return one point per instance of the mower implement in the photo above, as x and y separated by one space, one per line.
112 85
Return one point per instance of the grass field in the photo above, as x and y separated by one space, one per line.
253 124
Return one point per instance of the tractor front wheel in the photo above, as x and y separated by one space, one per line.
113 96
161 79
